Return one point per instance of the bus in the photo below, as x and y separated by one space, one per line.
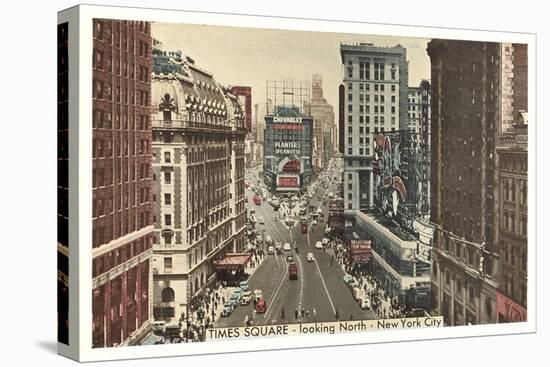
257 200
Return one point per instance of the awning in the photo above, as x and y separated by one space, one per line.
233 261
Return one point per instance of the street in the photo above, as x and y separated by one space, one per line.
319 293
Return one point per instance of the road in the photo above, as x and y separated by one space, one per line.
319 290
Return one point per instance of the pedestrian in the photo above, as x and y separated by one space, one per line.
283 313
296 313
336 315
314 312
303 312
307 313
351 316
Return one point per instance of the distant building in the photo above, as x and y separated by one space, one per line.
323 119
375 100
419 116
198 166
288 136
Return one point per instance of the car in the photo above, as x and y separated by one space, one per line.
271 250
358 293
310 257
246 298
318 245
292 271
325 241
257 295
235 298
364 303
289 258
243 285
347 278
260 220
268 240
287 247
159 327
226 311
261 306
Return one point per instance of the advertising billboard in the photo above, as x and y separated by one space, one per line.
360 250
509 311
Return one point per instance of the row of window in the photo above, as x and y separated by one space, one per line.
104 177
104 263
365 71
103 91
103 120
366 86
510 191
105 233
103 148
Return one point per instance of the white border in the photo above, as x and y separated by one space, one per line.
88 12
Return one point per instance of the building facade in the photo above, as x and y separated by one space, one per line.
198 168
511 234
419 115
375 100
122 236
511 197
323 120
466 101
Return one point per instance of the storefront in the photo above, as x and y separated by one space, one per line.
230 269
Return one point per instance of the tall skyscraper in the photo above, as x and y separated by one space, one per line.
469 90
323 118
375 91
122 182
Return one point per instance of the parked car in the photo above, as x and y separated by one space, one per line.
260 220
243 285
318 245
159 327
358 293
310 257
347 278
246 298
364 303
227 310
289 258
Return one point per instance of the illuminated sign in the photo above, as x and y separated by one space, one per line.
287 148
288 181
287 119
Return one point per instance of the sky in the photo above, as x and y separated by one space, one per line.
249 57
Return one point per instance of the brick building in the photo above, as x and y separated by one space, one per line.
199 165
122 182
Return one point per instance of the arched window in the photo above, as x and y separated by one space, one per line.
168 295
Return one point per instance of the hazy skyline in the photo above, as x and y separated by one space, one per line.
251 56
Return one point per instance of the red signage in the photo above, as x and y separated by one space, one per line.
360 250
287 126
287 181
509 311
292 166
